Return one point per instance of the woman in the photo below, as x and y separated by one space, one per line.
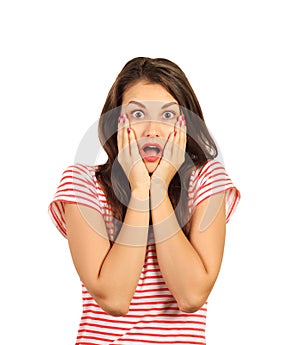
146 230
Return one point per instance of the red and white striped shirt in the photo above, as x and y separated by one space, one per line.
153 316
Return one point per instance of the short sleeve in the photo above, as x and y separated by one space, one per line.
77 186
212 179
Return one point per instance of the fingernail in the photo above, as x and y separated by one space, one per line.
180 124
128 130
183 118
175 133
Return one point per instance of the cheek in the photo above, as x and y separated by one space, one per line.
168 130
136 129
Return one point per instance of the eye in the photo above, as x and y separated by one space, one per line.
138 114
168 115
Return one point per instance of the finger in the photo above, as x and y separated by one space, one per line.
123 138
124 123
167 152
169 143
179 141
134 151
120 134
182 138
177 134
129 138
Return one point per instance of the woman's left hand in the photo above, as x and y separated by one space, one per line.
173 155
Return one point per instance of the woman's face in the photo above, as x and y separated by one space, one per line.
152 113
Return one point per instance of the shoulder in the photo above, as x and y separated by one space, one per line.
78 185
80 173
80 180
208 169
211 179
79 169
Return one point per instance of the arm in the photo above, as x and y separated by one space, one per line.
110 273
190 268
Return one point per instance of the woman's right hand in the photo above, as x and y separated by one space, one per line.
130 158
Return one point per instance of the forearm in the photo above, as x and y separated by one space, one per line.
180 264
122 266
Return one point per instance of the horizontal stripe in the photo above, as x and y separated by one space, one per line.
153 316
153 322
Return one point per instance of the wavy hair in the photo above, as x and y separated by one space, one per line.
200 146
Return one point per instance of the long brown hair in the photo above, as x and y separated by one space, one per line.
200 146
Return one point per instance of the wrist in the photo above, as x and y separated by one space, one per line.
140 187
158 184
139 200
158 192
140 193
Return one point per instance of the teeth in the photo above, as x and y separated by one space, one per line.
152 148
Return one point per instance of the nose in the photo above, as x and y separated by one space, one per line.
152 129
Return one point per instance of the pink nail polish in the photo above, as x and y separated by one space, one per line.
175 133
128 130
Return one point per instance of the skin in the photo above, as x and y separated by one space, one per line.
155 124
189 266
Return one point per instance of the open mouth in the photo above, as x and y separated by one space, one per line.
151 152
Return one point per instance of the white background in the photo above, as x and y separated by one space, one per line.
58 61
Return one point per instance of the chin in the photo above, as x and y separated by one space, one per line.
151 166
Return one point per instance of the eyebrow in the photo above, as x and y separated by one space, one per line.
166 105
137 103
169 104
